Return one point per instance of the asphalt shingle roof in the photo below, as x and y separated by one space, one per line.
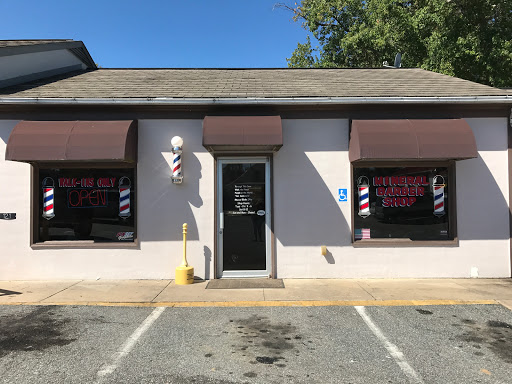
250 83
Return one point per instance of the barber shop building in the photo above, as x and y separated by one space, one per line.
279 173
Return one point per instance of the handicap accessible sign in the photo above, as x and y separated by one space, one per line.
342 194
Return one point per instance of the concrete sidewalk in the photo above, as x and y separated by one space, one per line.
296 292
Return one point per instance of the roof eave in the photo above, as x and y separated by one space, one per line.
258 101
77 48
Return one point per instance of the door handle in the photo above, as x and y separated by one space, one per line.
221 222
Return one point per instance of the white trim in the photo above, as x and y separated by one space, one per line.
244 274
260 100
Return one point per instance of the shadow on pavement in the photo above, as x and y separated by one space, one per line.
5 292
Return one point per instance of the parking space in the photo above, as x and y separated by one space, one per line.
261 345
452 344
60 344
336 344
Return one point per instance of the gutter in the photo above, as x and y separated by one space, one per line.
258 101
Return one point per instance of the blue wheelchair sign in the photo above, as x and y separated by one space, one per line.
342 194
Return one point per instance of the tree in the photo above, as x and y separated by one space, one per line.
470 39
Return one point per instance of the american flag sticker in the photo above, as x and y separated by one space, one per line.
361 234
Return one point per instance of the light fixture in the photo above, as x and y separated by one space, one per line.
177 148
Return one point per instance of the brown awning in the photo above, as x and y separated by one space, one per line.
242 133
411 140
38 141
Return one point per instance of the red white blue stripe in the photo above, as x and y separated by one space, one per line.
363 233
439 200
48 202
176 165
124 197
438 196
364 198
48 198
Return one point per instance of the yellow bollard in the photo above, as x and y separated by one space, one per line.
184 273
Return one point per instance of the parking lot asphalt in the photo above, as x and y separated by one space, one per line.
308 344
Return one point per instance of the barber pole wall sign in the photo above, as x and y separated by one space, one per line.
363 187
177 150
48 198
177 175
124 197
438 195
176 165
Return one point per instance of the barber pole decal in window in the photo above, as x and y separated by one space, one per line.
438 195
363 187
124 197
48 198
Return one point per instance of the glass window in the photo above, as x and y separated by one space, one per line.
86 204
402 203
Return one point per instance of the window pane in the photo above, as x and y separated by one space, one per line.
87 204
399 203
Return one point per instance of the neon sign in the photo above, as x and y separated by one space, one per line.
87 198
87 182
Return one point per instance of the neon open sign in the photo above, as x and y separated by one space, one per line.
87 198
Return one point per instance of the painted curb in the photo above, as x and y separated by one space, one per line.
280 303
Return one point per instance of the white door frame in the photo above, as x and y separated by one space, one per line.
220 219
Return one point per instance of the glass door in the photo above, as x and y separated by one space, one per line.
243 217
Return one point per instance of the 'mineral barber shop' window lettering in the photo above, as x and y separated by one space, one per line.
86 204
402 203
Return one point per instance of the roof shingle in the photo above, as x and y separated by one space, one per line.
250 83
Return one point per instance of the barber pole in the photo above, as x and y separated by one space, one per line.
177 171
48 198
438 196
124 197
176 165
363 186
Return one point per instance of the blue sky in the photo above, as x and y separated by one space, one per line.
159 33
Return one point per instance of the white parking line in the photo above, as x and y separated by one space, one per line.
108 369
391 348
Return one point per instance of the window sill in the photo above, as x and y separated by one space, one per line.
83 244
404 243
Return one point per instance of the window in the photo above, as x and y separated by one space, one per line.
407 202
88 204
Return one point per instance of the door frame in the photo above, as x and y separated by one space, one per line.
269 235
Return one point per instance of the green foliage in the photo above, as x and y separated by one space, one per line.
303 56
470 39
